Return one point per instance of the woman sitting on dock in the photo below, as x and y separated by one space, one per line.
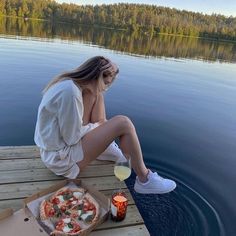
72 129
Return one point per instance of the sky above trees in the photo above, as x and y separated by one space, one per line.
226 7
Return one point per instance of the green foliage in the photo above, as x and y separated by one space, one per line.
148 19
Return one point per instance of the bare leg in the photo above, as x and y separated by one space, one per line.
118 126
97 141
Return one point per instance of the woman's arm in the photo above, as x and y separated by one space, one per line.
94 109
99 111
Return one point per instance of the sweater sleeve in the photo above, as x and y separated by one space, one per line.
70 113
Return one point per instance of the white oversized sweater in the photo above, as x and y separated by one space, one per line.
59 120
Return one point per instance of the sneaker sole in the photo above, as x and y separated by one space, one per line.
152 191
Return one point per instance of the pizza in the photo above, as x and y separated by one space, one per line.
71 210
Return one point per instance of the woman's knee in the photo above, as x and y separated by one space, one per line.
124 123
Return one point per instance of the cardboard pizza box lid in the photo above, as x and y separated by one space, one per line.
23 223
19 223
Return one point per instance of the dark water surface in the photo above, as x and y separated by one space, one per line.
180 93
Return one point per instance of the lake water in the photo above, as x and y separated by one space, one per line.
180 93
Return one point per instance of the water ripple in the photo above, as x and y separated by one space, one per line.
182 212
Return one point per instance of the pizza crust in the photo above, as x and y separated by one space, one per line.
60 233
42 211
79 189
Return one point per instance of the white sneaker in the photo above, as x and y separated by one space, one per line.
155 184
112 153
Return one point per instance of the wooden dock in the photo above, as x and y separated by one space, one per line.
23 173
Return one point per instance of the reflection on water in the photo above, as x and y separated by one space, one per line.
123 41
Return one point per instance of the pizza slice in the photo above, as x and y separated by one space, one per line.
46 210
66 196
87 210
67 226
91 209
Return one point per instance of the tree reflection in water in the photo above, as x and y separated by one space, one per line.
122 41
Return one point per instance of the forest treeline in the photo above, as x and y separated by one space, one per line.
148 19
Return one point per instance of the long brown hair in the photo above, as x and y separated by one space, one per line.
86 72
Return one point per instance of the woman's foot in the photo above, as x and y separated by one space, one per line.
155 184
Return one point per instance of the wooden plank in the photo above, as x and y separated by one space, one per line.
28 147
33 163
29 152
22 190
17 176
21 164
16 204
135 230
19 152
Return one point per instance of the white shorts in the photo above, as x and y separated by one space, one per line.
63 162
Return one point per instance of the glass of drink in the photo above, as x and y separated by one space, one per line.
122 169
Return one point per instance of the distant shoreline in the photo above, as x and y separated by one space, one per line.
120 29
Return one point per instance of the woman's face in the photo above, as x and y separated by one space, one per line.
108 77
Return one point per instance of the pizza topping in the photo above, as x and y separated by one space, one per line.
84 216
66 229
67 196
61 198
74 215
58 212
76 228
67 220
63 208
80 202
79 207
74 202
77 195
89 218
55 200
67 213
91 206
56 208
51 212
60 225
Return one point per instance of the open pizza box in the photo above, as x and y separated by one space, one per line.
26 221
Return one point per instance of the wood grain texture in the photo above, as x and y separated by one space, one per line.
22 174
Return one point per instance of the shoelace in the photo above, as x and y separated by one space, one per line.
158 176
115 144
